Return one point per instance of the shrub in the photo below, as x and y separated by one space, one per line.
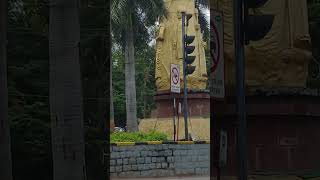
137 137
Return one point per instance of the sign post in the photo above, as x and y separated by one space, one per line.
175 88
217 89
216 52
240 81
174 118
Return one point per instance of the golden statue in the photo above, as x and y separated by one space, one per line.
169 43
282 57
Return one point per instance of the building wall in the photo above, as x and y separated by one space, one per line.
283 128
160 160
278 144
284 143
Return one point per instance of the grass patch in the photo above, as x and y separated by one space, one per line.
137 137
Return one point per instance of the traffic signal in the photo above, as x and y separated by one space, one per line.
188 16
189 49
256 26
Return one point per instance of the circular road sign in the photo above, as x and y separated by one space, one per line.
175 77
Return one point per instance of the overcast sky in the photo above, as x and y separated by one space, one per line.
207 12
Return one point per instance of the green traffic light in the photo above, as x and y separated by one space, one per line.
190 69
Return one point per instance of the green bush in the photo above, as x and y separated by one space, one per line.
137 137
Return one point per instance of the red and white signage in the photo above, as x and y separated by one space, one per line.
217 89
175 78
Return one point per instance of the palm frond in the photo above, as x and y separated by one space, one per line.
143 13
203 5
204 25
117 11
153 9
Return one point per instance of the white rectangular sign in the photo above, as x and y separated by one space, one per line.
217 89
175 78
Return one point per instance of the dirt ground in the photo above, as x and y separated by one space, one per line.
199 127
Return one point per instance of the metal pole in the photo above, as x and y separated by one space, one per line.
178 120
240 81
218 173
174 118
185 106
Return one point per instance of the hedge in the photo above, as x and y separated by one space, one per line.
137 137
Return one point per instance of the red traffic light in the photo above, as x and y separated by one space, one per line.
189 39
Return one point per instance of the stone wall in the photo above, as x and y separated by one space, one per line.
159 160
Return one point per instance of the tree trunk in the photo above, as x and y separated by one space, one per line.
145 79
5 147
66 92
130 81
111 99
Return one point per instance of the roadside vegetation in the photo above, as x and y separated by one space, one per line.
137 137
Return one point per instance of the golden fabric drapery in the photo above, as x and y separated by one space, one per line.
169 46
281 58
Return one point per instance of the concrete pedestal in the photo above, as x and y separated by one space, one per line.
282 125
198 104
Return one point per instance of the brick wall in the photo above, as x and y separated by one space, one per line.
160 160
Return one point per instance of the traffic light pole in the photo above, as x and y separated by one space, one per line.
240 81
185 105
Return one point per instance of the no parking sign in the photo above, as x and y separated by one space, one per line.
216 50
175 78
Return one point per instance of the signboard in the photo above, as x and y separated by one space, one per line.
175 78
217 89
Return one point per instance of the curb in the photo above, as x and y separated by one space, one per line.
157 142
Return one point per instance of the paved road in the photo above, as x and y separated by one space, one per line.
165 178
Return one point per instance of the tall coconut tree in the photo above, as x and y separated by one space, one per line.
5 147
130 20
65 91
111 100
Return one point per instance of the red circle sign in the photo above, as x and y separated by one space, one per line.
175 75
216 54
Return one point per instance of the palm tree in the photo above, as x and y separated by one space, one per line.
65 91
5 149
111 99
130 20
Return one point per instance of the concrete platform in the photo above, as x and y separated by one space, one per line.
166 178
199 127
198 104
